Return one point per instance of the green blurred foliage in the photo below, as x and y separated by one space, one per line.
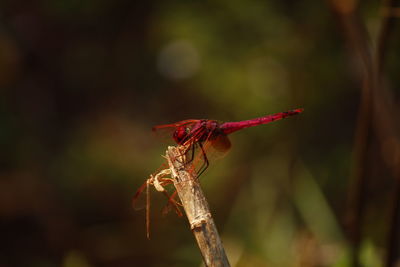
82 82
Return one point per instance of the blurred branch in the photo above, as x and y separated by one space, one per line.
356 38
375 110
197 210
386 126
394 230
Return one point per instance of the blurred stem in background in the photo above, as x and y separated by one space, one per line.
375 116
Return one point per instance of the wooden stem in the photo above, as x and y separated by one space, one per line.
196 209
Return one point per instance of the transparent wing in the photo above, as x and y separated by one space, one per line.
139 200
201 155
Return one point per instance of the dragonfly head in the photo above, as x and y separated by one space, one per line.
181 134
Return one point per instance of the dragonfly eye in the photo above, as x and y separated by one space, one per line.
180 134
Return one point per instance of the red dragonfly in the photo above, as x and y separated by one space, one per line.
207 137
211 135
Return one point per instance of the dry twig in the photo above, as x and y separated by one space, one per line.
196 209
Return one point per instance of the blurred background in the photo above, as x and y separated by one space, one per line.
83 82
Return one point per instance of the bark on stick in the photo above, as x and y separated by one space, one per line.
196 209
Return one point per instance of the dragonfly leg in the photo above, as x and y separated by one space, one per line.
172 203
191 142
172 198
205 164
176 204
183 153
192 149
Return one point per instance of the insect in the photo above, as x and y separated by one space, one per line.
203 136
210 135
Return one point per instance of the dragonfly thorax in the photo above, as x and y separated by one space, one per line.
198 132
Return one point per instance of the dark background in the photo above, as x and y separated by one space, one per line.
83 82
